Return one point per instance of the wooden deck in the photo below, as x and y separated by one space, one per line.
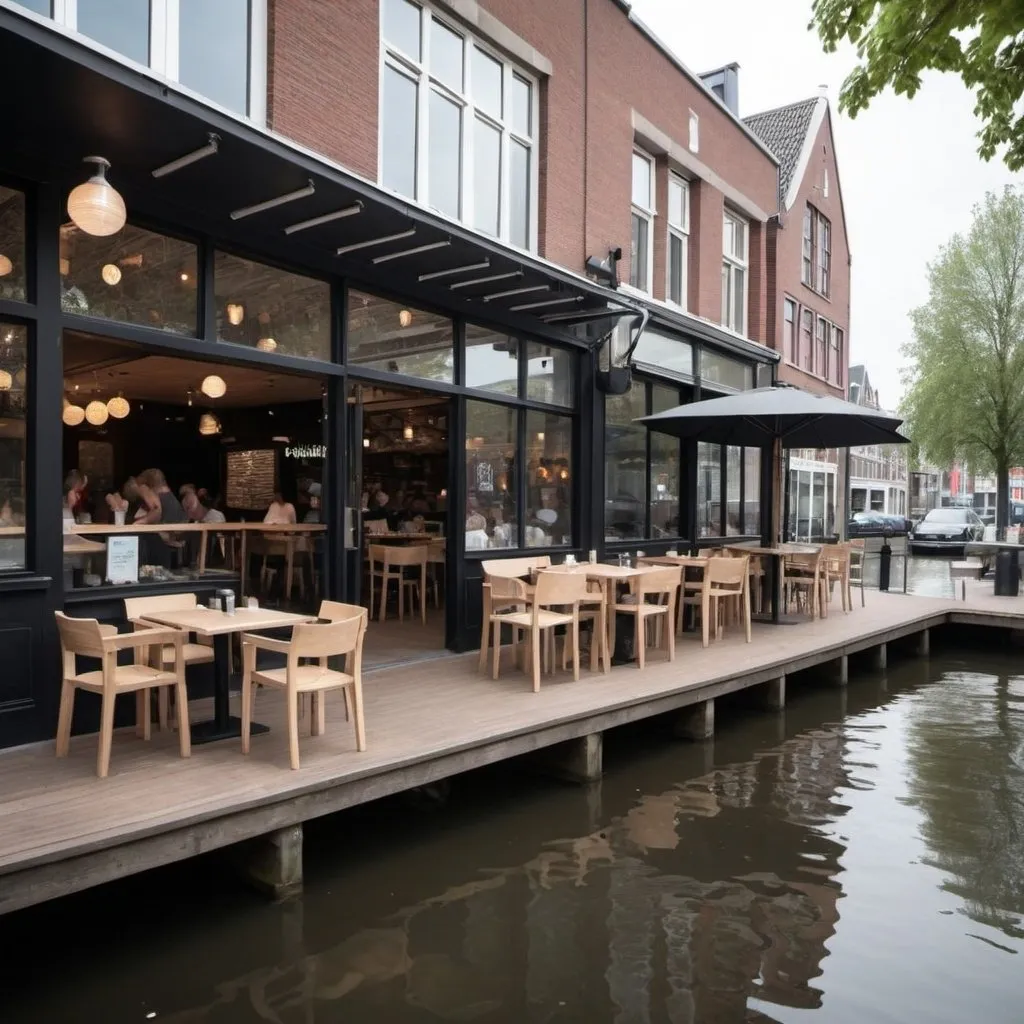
62 829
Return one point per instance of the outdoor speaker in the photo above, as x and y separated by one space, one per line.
615 381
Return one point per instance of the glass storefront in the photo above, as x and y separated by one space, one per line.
813 490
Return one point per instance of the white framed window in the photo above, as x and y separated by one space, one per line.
789 338
821 348
216 50
458 124
641 249
735 232
694 132
678 239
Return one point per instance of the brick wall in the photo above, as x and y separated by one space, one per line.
789 252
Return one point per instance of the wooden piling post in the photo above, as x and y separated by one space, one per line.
881 657
273 863
773 694
697 722
842 670
924 643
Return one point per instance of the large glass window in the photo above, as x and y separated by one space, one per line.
678 237
549 479
733 491
734 272
549 374
492 360
641 220
751 491
718 369
457 123
206 45
709 490
491 520
789 352
135 276
271 309
384 335
664 470
12 244
214 50
664 352
13 393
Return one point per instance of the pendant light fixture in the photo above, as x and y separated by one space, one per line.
111 274
6 380
407 432
213 386
73 415
405 318
96 413
209 424
6 266
267 345
236 313
118 407
95 206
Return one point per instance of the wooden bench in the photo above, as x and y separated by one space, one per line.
968 569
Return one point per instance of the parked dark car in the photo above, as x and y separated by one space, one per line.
877 524
947 529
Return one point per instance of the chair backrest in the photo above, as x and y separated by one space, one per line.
514 566
663 580
727 573
560 588
328 639
507 587
411 554
837 555
436 548
140 607
335 611
805 559
376 525
80 636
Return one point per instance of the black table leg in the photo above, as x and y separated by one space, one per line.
776 587
223 725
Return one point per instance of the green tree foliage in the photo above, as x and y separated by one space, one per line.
982 41
965 375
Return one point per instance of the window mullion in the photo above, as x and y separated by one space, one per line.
65 12
164 20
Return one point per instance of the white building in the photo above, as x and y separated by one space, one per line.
878 473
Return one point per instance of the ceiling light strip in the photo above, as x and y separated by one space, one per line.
190 158
269 204
518 291
434 274
326 218
546 302
376 241
412 252
485 280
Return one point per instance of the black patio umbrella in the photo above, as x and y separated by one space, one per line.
788 416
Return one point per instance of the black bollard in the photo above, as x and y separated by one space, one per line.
884 565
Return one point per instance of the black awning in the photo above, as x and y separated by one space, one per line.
63 101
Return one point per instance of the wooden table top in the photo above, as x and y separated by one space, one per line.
695 561
779 549
208 622
80 546
597 570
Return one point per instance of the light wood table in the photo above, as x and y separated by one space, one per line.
220 625
776 553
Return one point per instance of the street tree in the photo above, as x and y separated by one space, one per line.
964 374
982 41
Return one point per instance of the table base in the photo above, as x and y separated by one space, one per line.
212 730
782 620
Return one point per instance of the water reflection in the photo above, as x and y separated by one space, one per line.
966 748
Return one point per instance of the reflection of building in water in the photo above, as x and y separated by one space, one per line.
716 892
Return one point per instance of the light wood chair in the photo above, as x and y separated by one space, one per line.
437 559
375 527
316 641
389 563
802 572
505 568
554 592
836 569
728 587
196 650
855 576
595 610
663 585
89 638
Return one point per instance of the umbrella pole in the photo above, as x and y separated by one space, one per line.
779 487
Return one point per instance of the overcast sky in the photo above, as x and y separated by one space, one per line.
909 169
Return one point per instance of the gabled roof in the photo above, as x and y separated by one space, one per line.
784 131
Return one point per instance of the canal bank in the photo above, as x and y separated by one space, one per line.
62 830
846 858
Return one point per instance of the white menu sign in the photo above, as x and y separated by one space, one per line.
122 559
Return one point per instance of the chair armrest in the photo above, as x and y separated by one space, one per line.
266 643
143 638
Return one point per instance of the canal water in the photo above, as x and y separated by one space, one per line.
858 857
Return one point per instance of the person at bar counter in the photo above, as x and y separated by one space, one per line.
382 509
280 512
75 494
161 506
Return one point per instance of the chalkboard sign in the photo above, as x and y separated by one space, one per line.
251 479
122 559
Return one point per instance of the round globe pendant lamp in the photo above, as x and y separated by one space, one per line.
118 407
96 206
213 386
96 413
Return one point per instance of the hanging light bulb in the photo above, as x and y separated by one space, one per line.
6 380
111 274
73 415
405 317
208 424
96 413
407 432
213 386
366 442
6 266
96 206
266 345
236 313
118 407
